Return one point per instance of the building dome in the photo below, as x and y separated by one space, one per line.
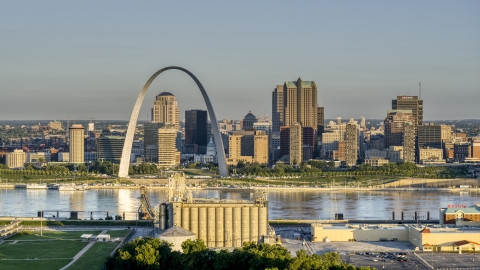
211 151
250 116
165 94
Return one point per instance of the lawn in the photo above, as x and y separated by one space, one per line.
95 257
50 235
118 233
34 264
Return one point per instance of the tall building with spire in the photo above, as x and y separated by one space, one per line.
165 110
412 103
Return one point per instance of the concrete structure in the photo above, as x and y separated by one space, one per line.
444 239
409 142
56 125
222 223
248 146
176 235
351 153
165 110
295 145
376 161
167 150
103 237
433 136
16 159
64 156
124 163
343 233
109 148
77 141
412 103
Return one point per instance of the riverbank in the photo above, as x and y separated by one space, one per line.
277 188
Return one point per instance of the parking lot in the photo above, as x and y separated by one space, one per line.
451 260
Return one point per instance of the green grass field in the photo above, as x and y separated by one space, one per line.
118 233
53 264
95 257
50 235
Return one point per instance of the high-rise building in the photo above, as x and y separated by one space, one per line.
394 125
409 142
296 156
300 103
109 148
196 131
77 141
248 146
309 143
165 110
412 103
277 109
150 141
433 136
320 122
167 150
351 134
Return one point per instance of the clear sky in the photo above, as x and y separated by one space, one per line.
91 58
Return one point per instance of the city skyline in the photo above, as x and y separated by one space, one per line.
90 60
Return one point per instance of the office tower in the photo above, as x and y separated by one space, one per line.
277 109
167 150
433 136
320 122
248 120
284 141
300 103
16 159
394 124
248 146
196 132
351 144
91 127
109 148
77 147
150 141
330 141
309 142
409 142
165 110
296 144
475 148
410 103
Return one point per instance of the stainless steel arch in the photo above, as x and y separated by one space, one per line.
127 147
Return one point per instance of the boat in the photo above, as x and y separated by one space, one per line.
72 187
37 186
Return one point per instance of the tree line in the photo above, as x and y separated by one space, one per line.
153 253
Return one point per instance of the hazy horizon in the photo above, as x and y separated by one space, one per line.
91 59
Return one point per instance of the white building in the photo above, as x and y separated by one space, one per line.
210 156
16 159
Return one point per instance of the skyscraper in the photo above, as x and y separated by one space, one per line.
410 103
409 142
394 126
196 131
167 151
320 122
300 103
277 109
77 148
165 110
248 146
351 153
296 144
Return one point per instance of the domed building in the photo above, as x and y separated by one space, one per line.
210 156
248 120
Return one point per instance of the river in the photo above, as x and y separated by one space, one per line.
293 204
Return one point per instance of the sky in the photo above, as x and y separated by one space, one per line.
83 59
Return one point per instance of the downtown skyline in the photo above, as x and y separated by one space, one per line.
91 59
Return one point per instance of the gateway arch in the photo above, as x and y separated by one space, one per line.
127 147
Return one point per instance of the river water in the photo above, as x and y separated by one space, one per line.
292 204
